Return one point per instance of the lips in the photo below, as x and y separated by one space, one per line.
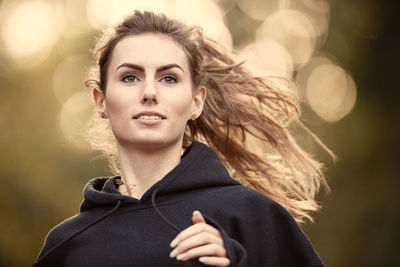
149 115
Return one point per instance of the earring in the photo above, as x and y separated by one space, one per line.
103 114
193 117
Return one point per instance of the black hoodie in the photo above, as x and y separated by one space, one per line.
116 230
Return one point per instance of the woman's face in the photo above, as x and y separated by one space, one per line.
149 96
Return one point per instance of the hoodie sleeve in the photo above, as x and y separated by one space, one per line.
260 232
235 251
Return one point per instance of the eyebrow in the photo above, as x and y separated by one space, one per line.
140 68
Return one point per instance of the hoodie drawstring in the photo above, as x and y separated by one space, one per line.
153 202
78 232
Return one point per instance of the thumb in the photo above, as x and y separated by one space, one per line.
197 217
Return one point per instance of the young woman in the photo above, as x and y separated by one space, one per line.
160 88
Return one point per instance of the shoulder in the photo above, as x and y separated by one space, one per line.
245 207
62 229
247 198
263 203
66 228
246 212
265 229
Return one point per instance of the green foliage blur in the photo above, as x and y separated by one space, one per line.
42 175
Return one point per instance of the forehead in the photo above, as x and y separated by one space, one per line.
149 50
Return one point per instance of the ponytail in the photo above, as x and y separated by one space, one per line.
245 120
245 117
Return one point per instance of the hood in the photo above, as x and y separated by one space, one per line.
199 168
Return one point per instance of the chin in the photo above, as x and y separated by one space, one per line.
152 143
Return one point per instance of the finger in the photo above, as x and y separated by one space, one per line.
207 250
196 241
193 230
197 217
215 261
199 240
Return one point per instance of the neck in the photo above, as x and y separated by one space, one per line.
141 168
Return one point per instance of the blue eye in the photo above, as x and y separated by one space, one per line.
129 78
169 79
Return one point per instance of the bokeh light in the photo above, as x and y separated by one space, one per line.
215 29
226 5
293 30
330 92
69 77
104 13
268 58
304 73
44 53
73 117
318 12
75 13
320 6
187 9
206 14
260 9
30 27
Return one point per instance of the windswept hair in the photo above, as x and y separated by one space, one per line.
245 117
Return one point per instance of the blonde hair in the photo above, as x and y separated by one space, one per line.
245 117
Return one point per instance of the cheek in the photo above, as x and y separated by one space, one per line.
115 102
183 104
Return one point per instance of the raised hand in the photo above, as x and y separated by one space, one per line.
200 240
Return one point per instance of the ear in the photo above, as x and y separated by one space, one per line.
199 97
100 100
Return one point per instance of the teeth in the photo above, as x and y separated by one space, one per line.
146 117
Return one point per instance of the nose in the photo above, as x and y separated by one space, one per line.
149 94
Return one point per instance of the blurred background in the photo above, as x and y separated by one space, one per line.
343 56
